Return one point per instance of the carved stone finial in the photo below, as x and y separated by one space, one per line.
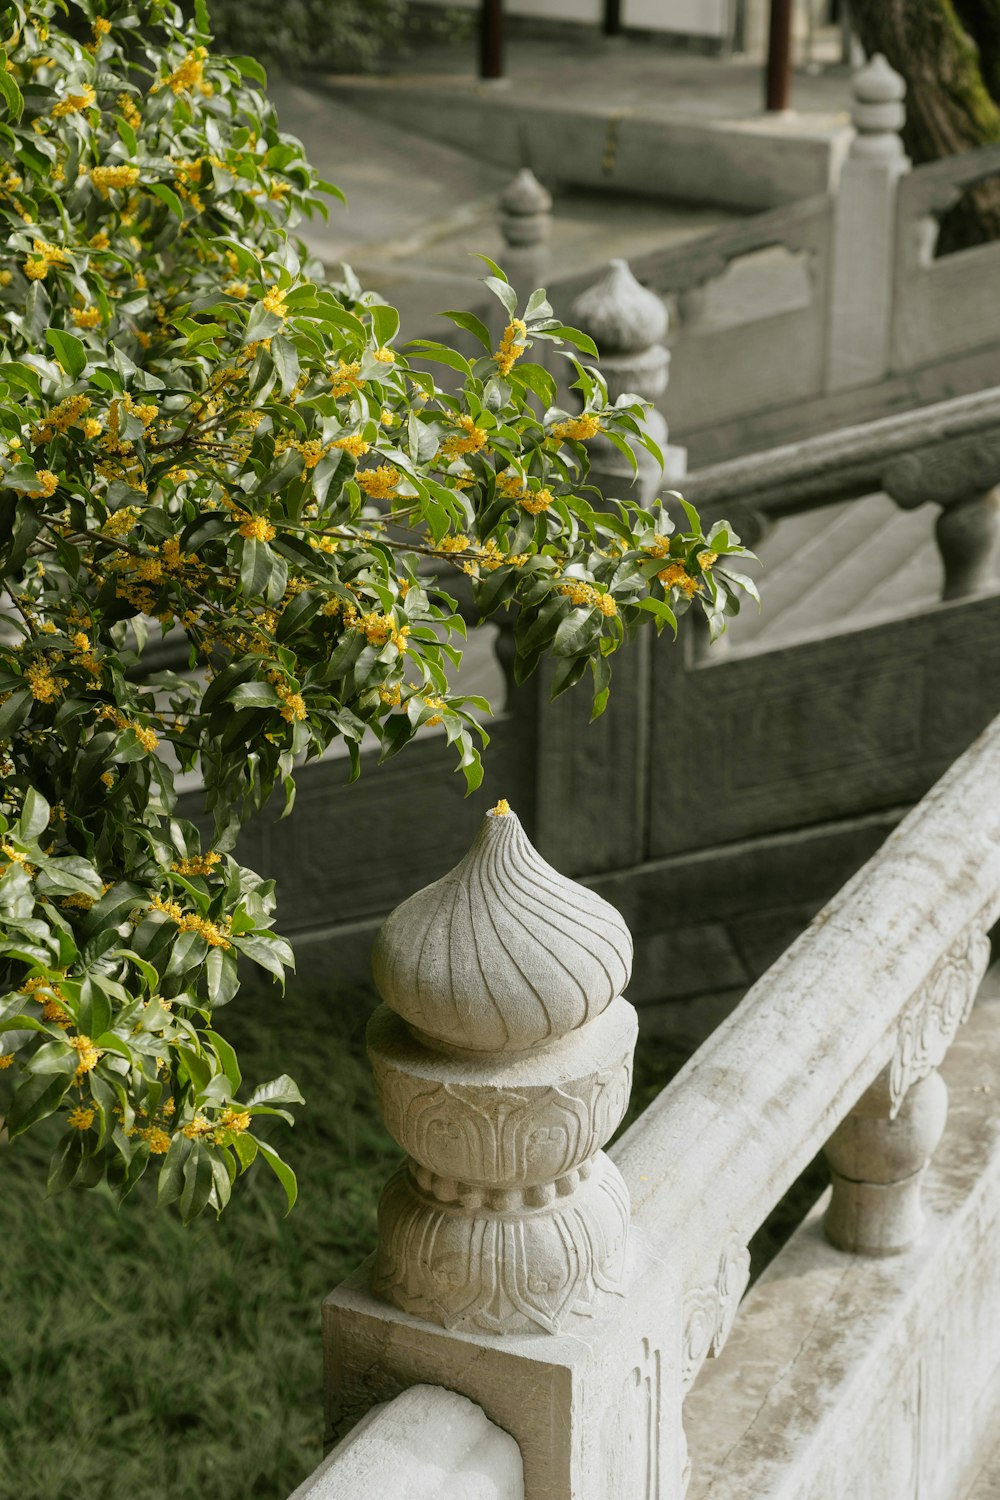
502 953
627 322
878 112
525 210
963 476
620 314
502 1062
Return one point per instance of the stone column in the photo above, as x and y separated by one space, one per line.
878 1163
628 323
526 225
962 475
880 1151
864 231
505 1269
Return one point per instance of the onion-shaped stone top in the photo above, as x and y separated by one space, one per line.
524 194
503 953
620 314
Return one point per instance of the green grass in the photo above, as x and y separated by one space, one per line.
142 1358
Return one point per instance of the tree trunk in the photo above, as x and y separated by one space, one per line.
949 108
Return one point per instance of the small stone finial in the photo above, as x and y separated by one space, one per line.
620 314
627 321
878 112
502 953
525 210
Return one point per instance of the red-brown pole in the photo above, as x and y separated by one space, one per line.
491 39
779 56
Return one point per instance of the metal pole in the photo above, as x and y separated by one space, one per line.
491 39
779 56
612 17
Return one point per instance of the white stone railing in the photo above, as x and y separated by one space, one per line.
574 1296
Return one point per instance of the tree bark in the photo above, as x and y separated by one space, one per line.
945 49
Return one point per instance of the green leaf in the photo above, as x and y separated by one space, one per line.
251 68
34 816
34 1101
198 1180
9 91
282 1171
574 336
286 362
70 351
256 564
472 325
172 1172
168 196
504 293
283 1090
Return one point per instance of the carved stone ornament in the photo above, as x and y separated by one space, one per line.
878 112
710 1310
502 953
502 1063
930 1022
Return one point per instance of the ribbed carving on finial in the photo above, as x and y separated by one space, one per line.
503 953
620 315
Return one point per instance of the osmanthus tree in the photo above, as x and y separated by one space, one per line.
201 435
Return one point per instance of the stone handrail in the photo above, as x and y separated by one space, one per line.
427 1444
879 981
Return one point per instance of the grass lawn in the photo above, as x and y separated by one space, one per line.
142 1358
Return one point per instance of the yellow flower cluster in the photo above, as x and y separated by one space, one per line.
43 255
44 687
7 1060
354 445
47 485
189 921
391 696
459 542
81 1118
706 559
536 503
274 301
257 529
237 289
502 808
511 346
677 576
107 177
74 103
577 429
122 521
472 441
586 594
435 703
87 317
61 418
87 1055
385 355
378 629
196 864
293 706
130 113
345 378
156 1139
189 75
380 483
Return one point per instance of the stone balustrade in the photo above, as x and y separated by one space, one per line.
574 1297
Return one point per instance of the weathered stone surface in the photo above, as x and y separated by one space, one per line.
848 1376
426 1444
503 953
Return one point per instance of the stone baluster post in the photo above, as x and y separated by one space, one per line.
526 225
628 323
502 1060
962 475
880 1151
864 230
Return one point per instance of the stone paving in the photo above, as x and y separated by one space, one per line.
419 209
